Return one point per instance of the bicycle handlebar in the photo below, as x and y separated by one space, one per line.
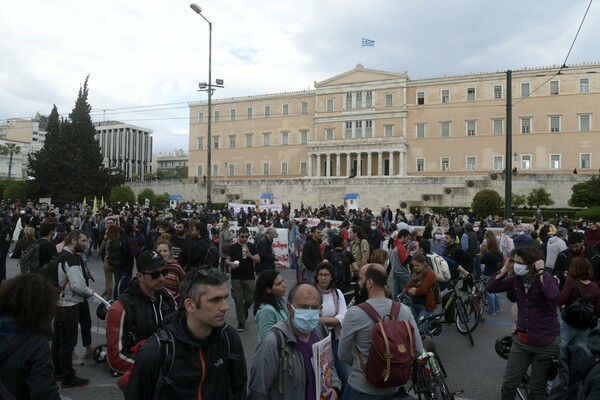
426 354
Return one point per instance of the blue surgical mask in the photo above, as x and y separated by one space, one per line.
306 320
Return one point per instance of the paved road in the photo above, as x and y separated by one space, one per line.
477 370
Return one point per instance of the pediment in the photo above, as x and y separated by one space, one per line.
360 74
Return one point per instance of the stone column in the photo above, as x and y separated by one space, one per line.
359 164
318 172
328 165
348 163
379 163
391 163
401 170
369 166
338 164
309 166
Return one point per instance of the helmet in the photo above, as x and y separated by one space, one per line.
101 311
503 345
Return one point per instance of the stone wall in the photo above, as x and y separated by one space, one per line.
374 192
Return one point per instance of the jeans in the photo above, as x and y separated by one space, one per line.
521 356
109 272
64 339
120 283
571 336
352 394
400 282
243 296
492 299
418 311
340 366
310 277
85 321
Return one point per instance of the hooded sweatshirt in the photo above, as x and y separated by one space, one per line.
555 246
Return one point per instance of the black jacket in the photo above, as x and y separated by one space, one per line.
205 369
311 254
563 262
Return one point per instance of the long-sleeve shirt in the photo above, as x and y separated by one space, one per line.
570 293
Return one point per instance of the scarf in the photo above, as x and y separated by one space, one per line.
416 279
336 302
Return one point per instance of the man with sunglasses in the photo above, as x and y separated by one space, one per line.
139 312
241 259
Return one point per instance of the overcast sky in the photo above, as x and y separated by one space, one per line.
152 52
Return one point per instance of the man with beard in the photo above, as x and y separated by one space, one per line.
311 255
179 238
74 290
576 248
356 333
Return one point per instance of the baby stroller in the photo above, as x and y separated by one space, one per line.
101 351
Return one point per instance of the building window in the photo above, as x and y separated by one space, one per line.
231 168
359 100
420 131
388 100
445 129
215 169
329 134
471 128
584 122
498 126
265 168
446 96
526 125
555 123
525 161
420 98
497 92
329 105
284 168
200 118
498 163
267 111
445 163
358 129
303 167
249 140
285 109
215 142
584 85
525 89
284 138
585 161
349 101
199 170
249 169
232 115
232 141
249 113
369 128
266 139
303 137
554 161
200 143
420 165
216 116
369 99
471 94
553 87
348 130
304 107
388 130
470 163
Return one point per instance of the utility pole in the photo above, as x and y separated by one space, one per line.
508 169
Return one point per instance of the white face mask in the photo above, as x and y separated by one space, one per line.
438 236
520 269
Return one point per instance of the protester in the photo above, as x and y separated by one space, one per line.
269 306
175 271
420 288
112 233
491 258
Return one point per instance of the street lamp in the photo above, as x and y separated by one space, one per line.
208 87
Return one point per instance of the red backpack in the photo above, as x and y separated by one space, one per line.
392 350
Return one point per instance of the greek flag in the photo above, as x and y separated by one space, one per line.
368 43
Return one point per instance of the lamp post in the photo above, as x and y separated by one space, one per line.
209 88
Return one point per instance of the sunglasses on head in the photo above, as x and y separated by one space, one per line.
156 274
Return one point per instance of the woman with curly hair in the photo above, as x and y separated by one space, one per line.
175 271
27 306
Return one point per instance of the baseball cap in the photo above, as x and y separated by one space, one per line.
149 260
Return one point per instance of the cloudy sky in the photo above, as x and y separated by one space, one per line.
145 58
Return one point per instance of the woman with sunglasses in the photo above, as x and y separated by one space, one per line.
175 271
332 312
269 306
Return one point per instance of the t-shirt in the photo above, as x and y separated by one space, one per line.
246 269
306 349
358 249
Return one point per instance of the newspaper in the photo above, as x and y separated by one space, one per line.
323 365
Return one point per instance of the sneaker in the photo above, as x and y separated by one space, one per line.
240 328
77 362
89 353
73 382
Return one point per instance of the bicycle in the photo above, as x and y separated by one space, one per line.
477 294
428 378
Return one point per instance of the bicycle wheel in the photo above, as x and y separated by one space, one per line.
468 317
441 391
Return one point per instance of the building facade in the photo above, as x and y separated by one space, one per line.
125 147
370 123
170 161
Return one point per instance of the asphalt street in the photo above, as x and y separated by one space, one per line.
475 371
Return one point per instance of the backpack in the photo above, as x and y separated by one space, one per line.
50 271
440 266
30 258
580 313
392 349
212 257
342 276
118 252
436 293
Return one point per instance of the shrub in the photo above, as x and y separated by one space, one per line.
486 202
122 194
147 194
14 191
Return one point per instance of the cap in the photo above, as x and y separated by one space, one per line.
149 260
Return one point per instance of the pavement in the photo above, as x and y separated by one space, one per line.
474 372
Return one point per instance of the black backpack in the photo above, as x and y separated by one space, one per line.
212 257
50 271
30 258
118 253
341 266
580 313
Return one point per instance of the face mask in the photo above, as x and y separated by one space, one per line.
306 320
520 269
438 236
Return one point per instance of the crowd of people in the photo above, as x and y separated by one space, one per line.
168 276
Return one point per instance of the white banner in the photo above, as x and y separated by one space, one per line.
280 244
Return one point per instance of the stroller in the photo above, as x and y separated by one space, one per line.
101 351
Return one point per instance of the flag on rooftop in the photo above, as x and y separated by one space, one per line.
368 43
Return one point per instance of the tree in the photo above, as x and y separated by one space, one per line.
586 194
9 149
519 200
13 192
122 194
147 194
70 164
162 200
486 202
539 197
590 214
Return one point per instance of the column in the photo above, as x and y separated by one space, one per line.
369 166
359 164
328 165
309 166
348 162
338 165
318 172
379 163
401 167
391 163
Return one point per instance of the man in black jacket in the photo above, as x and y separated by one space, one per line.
209 360
311 255
576 248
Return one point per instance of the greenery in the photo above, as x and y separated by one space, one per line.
589 214
10 149
70 165
162 200
14 191
178 173
539 197
122 194
586 194
147 194
486 202
519 200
